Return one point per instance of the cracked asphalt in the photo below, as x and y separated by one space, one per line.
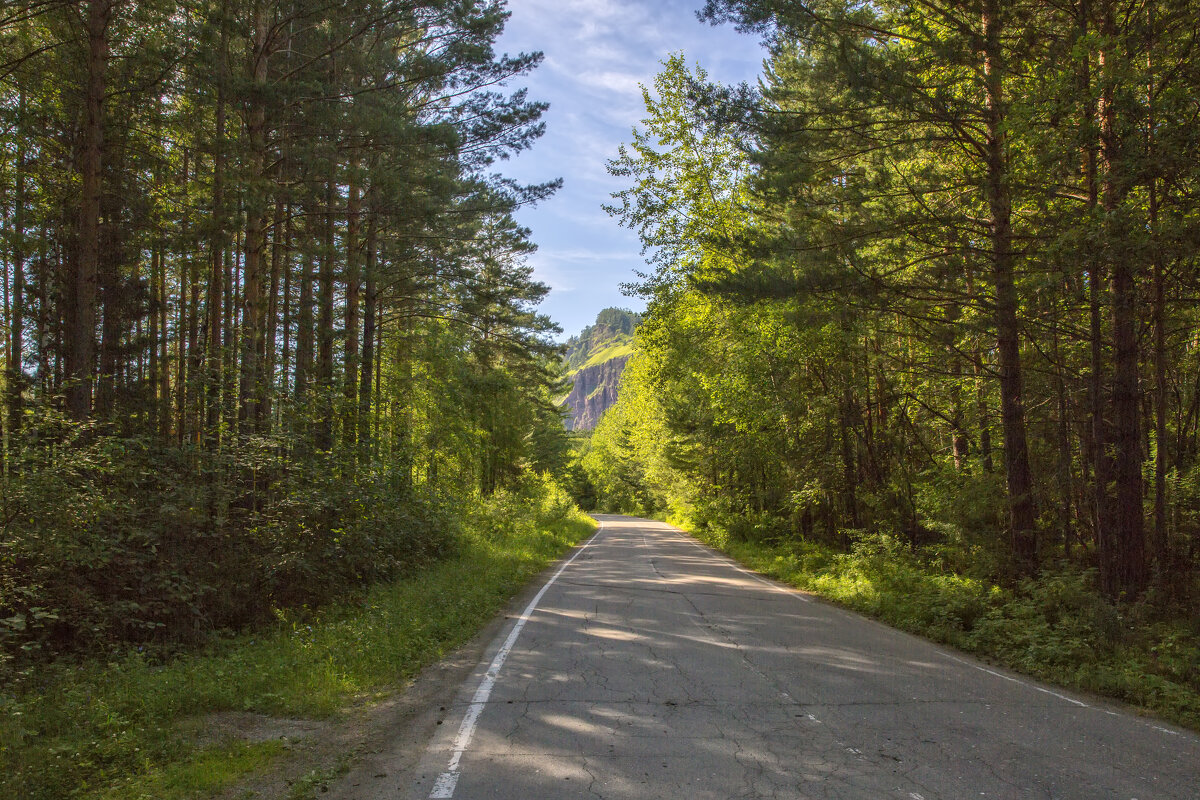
655 668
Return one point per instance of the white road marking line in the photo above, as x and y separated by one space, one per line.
1071 700
443 787
961 661
1017 681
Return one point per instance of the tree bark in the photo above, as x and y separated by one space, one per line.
1022 533
16 372
324 432
368 353
218 244
281 228
1161 451
304 321
353 282
1129 560
251 393
81 333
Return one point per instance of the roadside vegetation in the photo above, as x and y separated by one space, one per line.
126 727
921 330
275 394
1056 627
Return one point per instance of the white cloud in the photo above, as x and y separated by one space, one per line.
597 54
619 82
589 256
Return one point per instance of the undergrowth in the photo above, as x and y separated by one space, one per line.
1056 627
107 542
125 727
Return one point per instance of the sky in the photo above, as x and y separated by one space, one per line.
597 52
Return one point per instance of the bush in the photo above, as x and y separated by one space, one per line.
109 541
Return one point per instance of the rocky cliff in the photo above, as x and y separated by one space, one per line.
595 360
594 392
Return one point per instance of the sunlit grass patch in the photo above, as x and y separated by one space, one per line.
205 773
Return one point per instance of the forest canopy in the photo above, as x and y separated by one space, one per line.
267 314
933 278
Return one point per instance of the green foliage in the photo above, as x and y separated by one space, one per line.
297 339
1058 627
607 353
129 541
609 337
206 774
126 727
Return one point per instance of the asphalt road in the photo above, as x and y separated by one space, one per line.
652 668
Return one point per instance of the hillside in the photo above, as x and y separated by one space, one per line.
595 360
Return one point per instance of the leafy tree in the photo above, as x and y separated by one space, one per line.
903 248
261 286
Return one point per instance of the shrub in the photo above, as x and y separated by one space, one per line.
108 541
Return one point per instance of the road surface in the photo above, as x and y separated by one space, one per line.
650 667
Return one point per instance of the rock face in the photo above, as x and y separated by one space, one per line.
595 360
594 392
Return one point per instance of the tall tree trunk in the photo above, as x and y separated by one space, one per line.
1161 452
41 321
181 364
304 320
229 377
850 419
218 245
368 352
16 373
960 443
251 393
164 352
324 433
195 359
155 277
281 228
1023 539
982 409
81 334
1129 560
111 318
1063 429
1097 278
353 279
285 365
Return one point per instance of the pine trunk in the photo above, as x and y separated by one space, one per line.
81 326
1128 564
1022 533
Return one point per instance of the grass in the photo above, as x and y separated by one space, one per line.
1056 628
317 780
125 729
206 772
606 354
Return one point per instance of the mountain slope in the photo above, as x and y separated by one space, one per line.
595 360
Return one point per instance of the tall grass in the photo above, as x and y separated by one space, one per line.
125 728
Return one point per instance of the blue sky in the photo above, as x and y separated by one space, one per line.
597 52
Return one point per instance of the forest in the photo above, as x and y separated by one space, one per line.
268 325
923 301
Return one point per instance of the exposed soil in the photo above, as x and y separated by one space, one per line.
371 747
232 726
